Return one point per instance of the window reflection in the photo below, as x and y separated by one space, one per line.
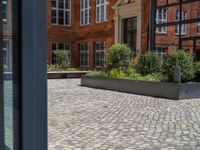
7 66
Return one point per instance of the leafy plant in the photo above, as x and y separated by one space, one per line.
97 74
149 63
153 77
119 56
134 75
185 61
53 68
117 73
62 58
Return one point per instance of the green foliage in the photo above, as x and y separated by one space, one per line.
198 66
134 75
62 58
117 73
55 68
153 77
119 56
97 74
149 63
185 61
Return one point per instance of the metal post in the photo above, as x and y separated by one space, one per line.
152 25
180 24
177 74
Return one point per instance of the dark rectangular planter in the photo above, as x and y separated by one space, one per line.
70 74
174 91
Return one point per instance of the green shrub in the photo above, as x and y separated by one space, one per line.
198 66
134 75
119 56
117 73
71 69
149 63
184 60
62 58
97 74
53 68
153 77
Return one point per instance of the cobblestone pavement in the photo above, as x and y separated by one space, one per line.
82 118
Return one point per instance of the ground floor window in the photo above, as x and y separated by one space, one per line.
161 51
6 53
84 54
100 50
60 46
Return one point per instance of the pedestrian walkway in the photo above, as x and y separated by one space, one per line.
82 118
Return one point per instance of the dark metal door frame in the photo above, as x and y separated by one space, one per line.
30 79
131 32
181 22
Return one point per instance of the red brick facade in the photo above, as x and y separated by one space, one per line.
170 39
105 31
94 32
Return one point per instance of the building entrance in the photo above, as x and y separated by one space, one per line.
130 32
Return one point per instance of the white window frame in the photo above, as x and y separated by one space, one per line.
64 11
5 2
6 49
159 51
184 27
85 12
100 52
101 15
64 44
163 19
84 52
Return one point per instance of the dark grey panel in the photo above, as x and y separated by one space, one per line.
174 91
34 77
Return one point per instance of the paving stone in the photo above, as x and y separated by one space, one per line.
82 118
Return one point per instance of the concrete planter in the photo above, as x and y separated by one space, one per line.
174 91
70 74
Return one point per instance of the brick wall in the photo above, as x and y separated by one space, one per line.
75 34
170 39
97 32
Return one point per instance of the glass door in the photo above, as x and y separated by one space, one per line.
130 32
9 67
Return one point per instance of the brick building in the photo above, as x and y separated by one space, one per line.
87 28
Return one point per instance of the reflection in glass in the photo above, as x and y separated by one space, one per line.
8 80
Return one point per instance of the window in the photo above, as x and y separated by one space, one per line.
84 54
161 51
4 10
198 24
60 46
5 53
161 17
61 12
101 10
100 50
183 28
85 12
